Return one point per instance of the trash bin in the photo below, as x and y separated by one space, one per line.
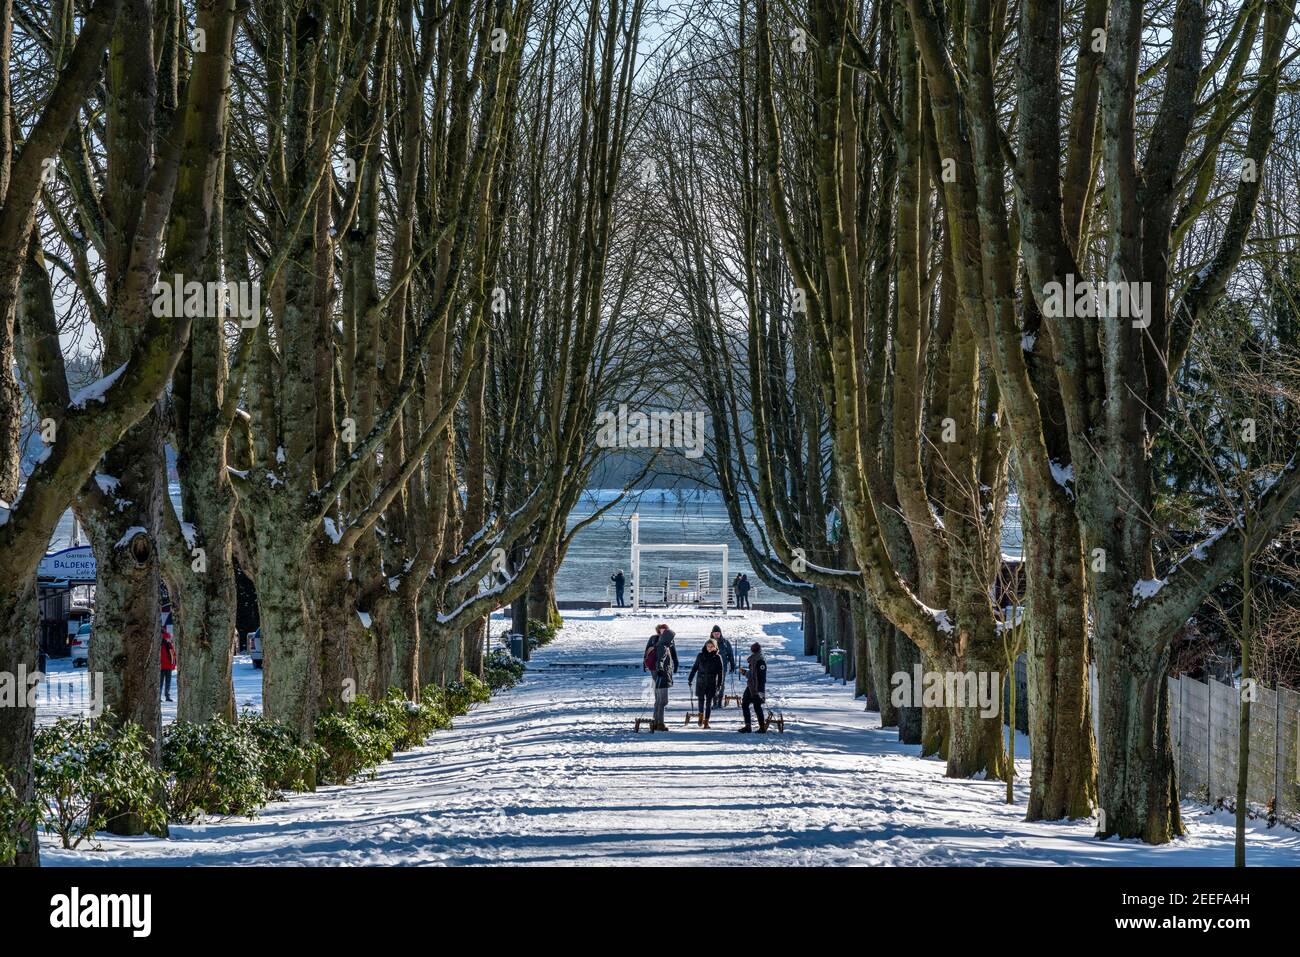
517 646
837 663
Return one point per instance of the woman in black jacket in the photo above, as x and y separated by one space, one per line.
708 668
728 661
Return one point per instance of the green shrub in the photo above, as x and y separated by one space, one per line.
348 750
419 720
369 731
502 670
463 695
385 717
287 762
456 695
15 814
479 692
541 632
215 768
354 741
89 772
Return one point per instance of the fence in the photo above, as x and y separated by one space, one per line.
1203 726
1203 723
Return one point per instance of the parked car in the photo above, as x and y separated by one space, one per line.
80 646
255 647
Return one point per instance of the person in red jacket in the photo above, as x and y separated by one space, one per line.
168 662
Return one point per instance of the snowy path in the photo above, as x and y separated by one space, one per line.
551 773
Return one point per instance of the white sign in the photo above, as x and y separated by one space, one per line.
74 564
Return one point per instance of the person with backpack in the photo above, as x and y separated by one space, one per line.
755 687
709 668
619 583
661 661
167 660
728 659
648 664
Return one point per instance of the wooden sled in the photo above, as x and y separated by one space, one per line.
776 719
648 722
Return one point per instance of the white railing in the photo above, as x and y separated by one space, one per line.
670 592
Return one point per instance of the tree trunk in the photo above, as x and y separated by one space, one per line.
430 662
291 666
845 628
454 668
205 606
542 605
1243 721
335 602
124 525
18 630
199 569
1063 780
475 647
879 638
906 656
402 621
438 648
810 627
934 721
365 658
975 747
829 616
1136 786
864 679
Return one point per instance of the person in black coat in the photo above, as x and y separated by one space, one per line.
708 669
742 592
755 673
665 666
619 581
728 659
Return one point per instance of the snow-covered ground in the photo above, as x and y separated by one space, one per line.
552 773
69 691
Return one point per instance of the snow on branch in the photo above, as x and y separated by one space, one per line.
96 391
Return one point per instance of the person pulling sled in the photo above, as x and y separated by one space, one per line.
755 673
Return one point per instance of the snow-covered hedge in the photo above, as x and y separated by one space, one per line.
287 763
213 768
90 772
502 670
